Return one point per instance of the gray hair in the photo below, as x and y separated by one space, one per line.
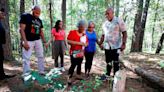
81 23
110 9
91 22
36 7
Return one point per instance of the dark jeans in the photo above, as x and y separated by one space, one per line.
75 62
61 59
89 59
1 61
112 55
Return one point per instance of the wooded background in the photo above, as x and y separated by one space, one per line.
144 20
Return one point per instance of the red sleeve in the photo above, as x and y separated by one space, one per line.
53 31
70 35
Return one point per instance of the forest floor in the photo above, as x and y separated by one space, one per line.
134 82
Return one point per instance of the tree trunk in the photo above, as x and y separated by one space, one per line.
51 24
7 47
117 7
64 12
22 7
143 23
35 2
50 9
137 28
154 24
160 44
152 79
22 10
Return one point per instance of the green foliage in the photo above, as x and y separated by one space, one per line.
50 90
39 78
90 10
44 80
161 64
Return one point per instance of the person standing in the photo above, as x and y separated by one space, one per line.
113 39
31 31
59 39
76 41
2 41
91 48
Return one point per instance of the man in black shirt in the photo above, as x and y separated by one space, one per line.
31 30
2 41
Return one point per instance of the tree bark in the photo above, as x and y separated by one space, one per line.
139 26
22 7
160 44
34 2
64 13
152 79
50 9
7 47
51 24
143 23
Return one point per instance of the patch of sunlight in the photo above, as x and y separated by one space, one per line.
12 68
153 59
5 88
138 57
142 57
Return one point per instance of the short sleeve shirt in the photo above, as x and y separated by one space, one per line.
60 35
113 33
73 36
33 26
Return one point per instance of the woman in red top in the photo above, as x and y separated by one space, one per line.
74 40
58 36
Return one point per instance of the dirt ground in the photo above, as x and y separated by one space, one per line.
149 62
133 82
